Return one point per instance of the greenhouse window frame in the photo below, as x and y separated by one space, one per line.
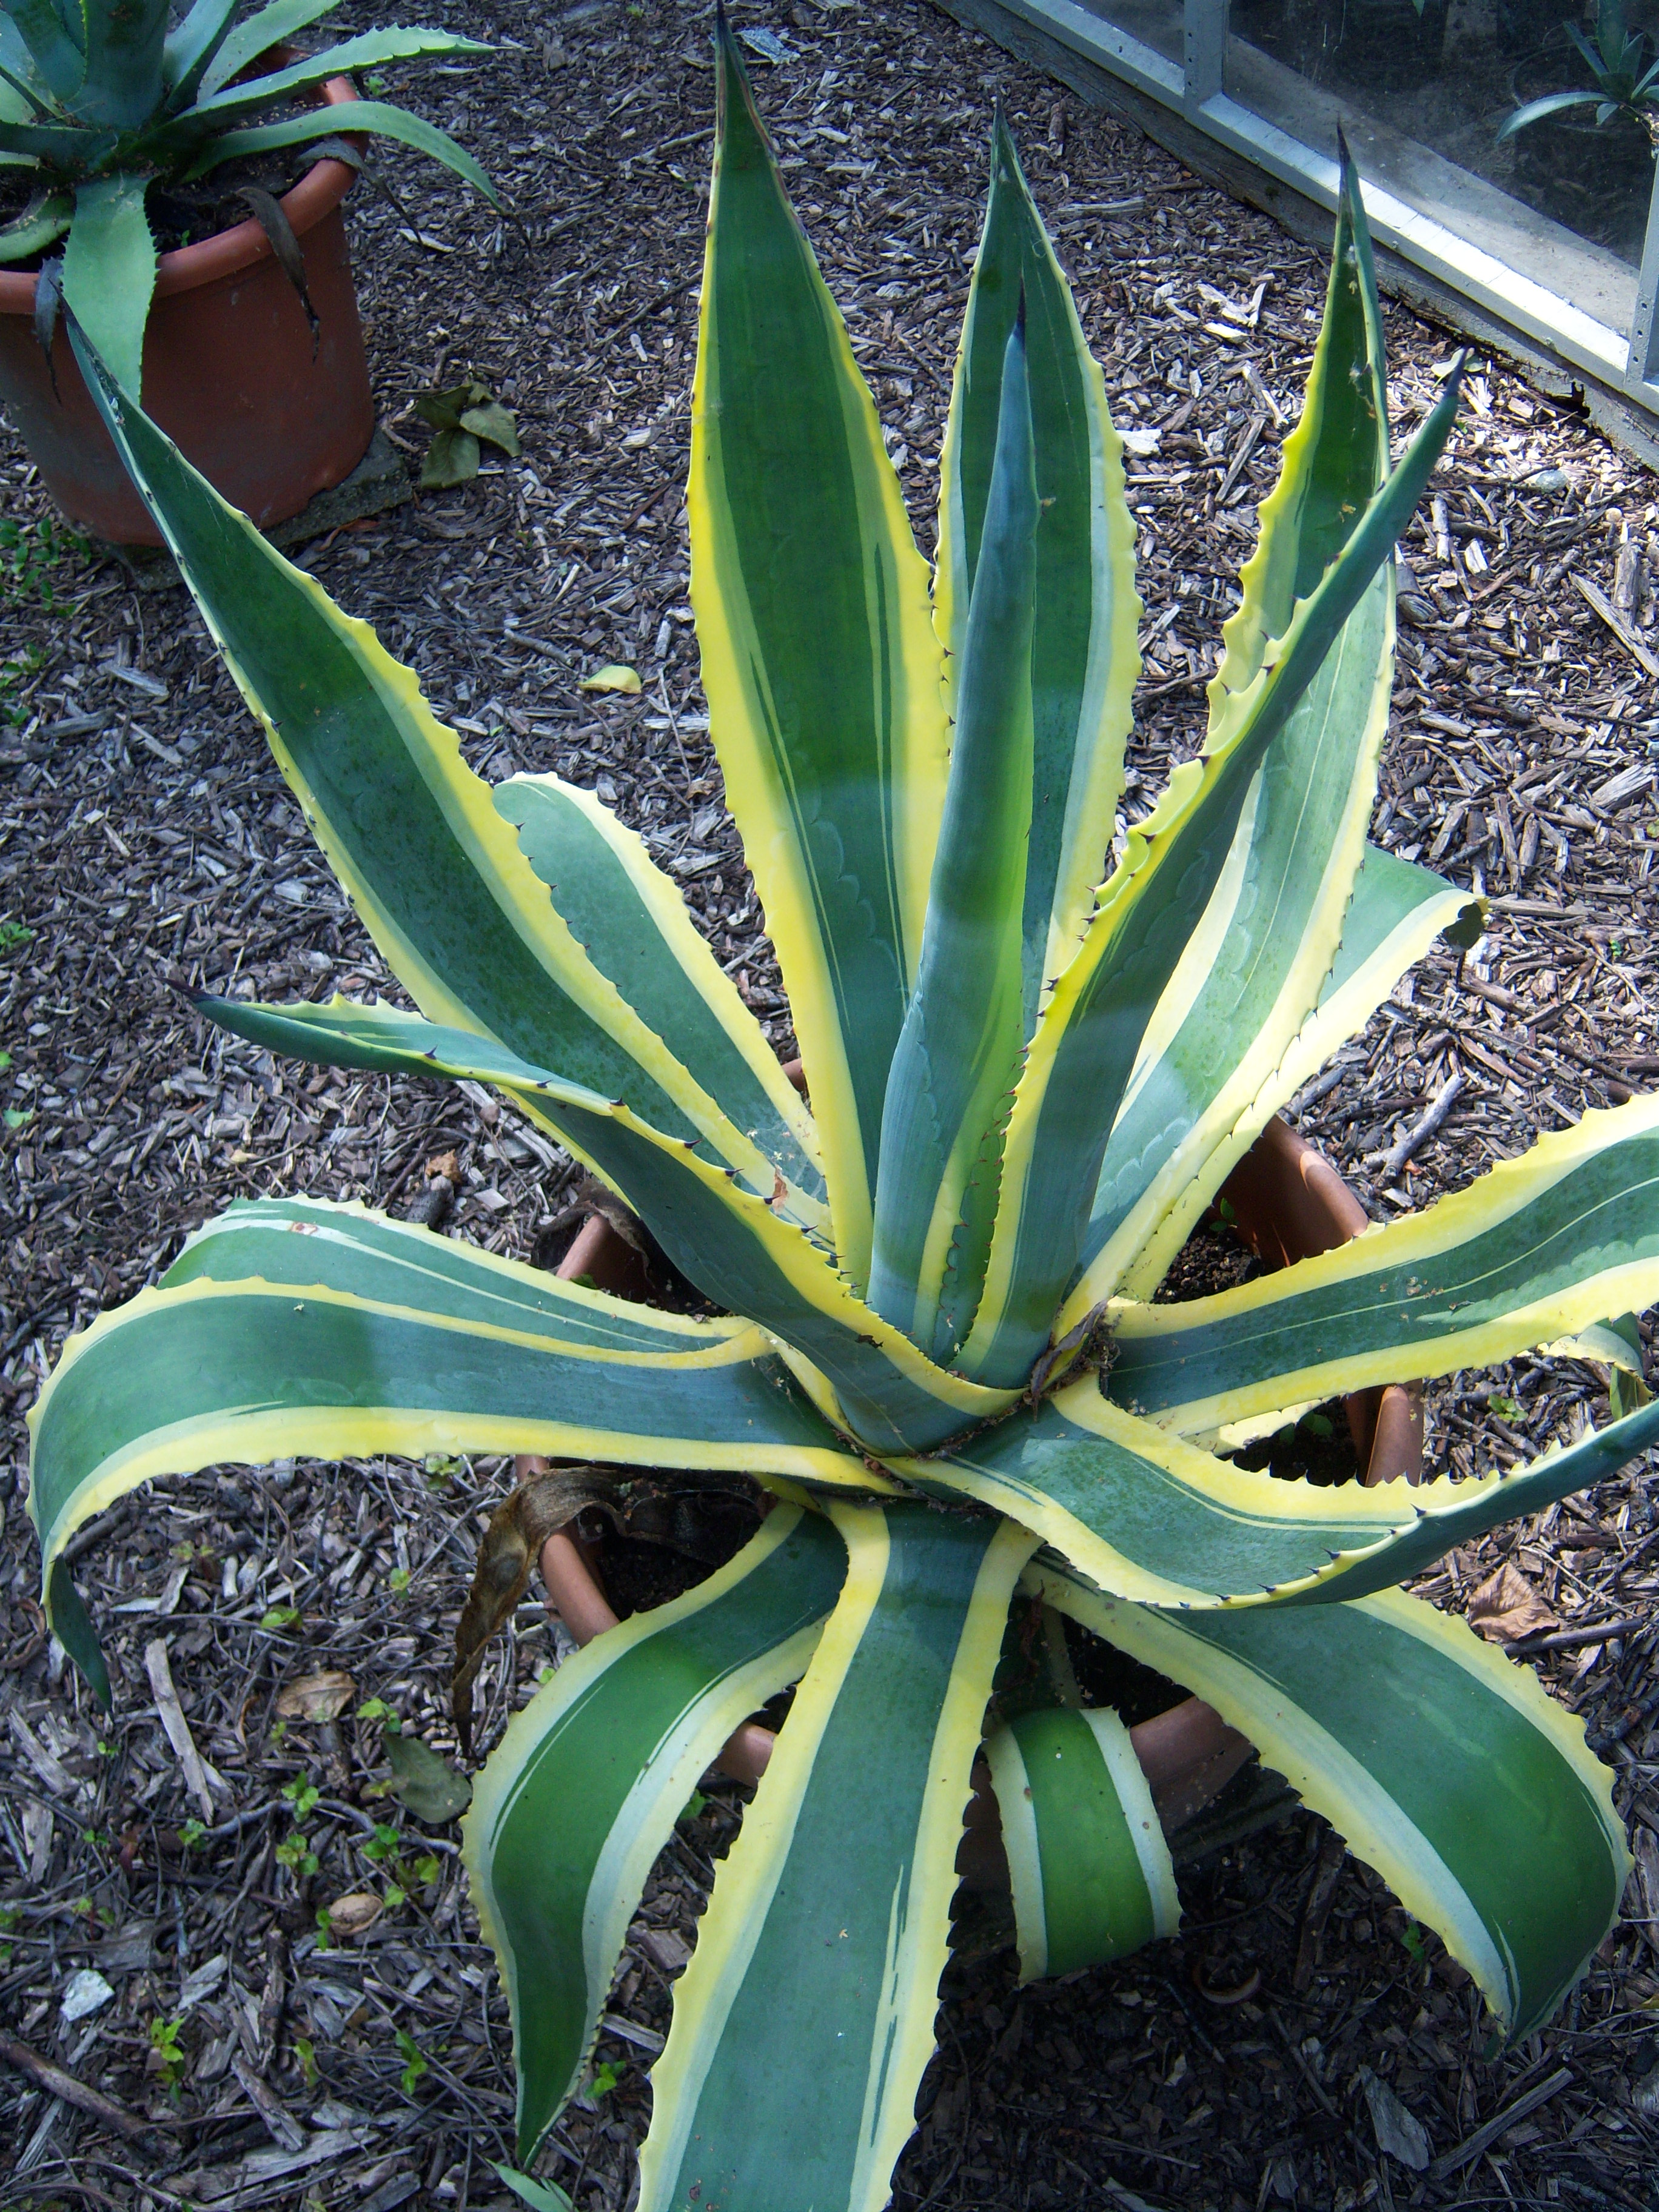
1622 358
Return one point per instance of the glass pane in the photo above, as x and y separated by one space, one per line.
1424 92
1160 24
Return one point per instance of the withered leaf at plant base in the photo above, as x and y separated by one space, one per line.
430 1787
521 1525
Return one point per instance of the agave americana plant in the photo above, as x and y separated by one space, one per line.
100 100
937 1345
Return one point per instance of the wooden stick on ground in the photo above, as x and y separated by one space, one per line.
72 2090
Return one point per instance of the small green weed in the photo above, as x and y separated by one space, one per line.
30 554
164 2042
414 2065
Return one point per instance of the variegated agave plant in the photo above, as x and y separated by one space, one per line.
939 1347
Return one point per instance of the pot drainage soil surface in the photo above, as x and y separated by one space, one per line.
148 847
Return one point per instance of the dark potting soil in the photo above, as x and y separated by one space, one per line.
179 214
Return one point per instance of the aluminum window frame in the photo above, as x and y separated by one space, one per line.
1625 360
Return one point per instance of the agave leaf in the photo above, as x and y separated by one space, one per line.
225 53
434 872
586 1788
958 1056
1091 1873
1165 1160
123 44
814 1962
60 61
109 270
634 925
1090 1033
288 1326
1446 1767
1541 1246
42 222
370 49
869 1378
376 116
1084 660
818 654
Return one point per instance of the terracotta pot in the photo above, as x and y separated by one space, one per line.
1288 1202
229 372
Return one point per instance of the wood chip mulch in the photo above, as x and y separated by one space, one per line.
232 2057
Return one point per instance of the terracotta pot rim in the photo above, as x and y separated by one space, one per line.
187 268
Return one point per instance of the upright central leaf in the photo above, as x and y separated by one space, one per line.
818 654
958 1056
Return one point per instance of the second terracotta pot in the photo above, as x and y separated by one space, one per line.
230 372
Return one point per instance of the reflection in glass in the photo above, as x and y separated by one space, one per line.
1158 24
1450 76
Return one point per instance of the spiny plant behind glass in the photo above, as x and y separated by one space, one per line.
1025 1088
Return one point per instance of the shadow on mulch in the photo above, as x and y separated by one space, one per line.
147 847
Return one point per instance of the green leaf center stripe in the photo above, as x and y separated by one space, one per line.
585 1790
250 1372
1544 1244
1467 1787
957 1056
1084 660
1143 1514
819 661
1091 1873
818 1962
1396 912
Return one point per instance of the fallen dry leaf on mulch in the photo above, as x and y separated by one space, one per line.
1506 1608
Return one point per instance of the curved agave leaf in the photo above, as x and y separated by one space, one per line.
1150 1516
821 1963
585 1787
867 1376
1083 659
818 655
1091 1873
1541 1246
1397 911
59 60
1090 1034
340 1033
1446 1767
294 1327
375 117
957 1056
434 872
217 54
371 50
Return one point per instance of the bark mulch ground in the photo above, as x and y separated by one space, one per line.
148 847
